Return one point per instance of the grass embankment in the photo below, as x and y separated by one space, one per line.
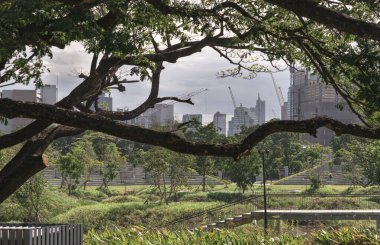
103 215
56 203
139 205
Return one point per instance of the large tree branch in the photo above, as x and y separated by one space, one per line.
172 141
88 88
329 17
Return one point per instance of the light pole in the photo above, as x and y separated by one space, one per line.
262 154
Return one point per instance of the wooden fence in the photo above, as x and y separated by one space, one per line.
31 234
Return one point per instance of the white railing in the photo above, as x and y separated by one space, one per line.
31 234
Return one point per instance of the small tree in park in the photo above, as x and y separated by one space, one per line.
31 198
71 169
112 159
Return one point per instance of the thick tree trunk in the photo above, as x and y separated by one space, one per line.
15 178
29 160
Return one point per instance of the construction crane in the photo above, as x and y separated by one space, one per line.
232 97
191 94
280 97
184 97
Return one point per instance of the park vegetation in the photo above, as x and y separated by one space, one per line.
338 40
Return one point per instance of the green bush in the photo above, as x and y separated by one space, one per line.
10 211
57 202
104 215
225 196
121 199
315 182
94 195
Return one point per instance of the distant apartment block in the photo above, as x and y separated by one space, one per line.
19 95
309 97
189 117
47 95
244 116
220 120
159 115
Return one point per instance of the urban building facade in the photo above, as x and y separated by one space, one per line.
259 110
47 94
309 97
159 115
219 121
243 116
189 117
247 117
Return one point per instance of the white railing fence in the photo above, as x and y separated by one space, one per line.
32 234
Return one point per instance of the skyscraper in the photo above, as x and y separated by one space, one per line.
243 116
260 110
309 97
219 121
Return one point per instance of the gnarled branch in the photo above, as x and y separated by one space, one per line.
172 141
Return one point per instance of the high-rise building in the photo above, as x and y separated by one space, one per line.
48 94
219 121
309 97
159 115
259 111
243 116
247 117
189 117
284 111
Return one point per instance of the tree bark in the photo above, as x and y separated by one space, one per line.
15 179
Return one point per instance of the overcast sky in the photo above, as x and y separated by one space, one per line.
187 75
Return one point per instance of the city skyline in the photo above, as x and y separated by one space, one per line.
185 76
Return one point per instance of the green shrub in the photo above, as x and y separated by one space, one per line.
104 215
121 199
315 182
10 211
90 194
225 196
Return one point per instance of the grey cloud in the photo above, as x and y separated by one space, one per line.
187 75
